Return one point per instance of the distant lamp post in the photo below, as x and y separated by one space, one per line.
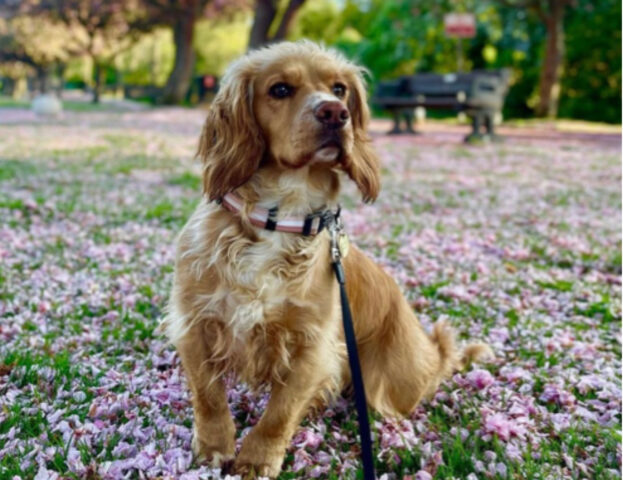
459 26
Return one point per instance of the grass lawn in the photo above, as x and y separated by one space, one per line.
517 244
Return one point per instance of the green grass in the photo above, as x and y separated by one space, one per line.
14 169
186 180
558 285
69 105
170 213
8 102
601 311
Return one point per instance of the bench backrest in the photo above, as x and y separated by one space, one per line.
479 88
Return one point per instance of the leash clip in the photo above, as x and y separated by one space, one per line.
336 229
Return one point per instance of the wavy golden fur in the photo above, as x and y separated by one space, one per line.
288 122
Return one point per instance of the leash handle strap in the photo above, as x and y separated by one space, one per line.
357 379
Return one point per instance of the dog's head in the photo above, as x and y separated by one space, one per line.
291 104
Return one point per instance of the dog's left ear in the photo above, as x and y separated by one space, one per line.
363 165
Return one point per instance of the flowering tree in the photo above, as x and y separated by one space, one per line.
99 29
33 44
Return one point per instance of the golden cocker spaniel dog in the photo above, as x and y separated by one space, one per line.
254 291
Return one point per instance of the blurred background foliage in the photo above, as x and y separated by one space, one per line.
389 37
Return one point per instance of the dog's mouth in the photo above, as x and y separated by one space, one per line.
330 143
330 150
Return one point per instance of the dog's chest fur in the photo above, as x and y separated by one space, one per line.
262 293
263 278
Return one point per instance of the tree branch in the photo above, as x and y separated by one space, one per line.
7 57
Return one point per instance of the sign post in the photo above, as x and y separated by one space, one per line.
459 26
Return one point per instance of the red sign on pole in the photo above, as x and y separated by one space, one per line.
461 25
209 81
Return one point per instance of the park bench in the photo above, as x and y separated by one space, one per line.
480 94
142 92
200 88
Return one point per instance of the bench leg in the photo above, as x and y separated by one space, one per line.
396 128
489 123
475 135
409 121
490 127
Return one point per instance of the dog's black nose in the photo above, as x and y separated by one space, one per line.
332 115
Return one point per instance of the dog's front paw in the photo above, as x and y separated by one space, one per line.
259 456
214 444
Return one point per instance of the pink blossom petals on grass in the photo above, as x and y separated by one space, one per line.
514 244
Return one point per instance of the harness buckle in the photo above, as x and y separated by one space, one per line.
309 221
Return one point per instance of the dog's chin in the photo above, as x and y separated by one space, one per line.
328 154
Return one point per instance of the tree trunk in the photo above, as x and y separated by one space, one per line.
179 81
287 18
265 11
8 86
42 79
551 71
60 73
97 87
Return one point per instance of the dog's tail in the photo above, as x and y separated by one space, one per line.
453 358
475 352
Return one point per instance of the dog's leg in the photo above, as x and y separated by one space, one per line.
214 430
407 364
264 447
401 363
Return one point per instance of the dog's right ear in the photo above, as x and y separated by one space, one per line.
362 166
231 144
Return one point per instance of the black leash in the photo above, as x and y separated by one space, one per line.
335 230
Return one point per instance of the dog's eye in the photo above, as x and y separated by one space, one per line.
281 90
339 90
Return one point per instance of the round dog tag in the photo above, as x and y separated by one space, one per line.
343 244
